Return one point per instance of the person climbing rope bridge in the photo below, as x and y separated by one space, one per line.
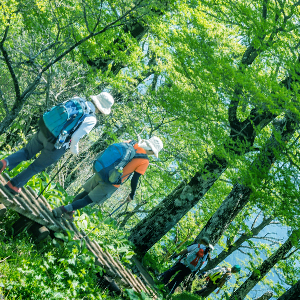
197 254
216 278
60 128
112 168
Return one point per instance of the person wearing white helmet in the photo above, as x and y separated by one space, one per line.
60 128
216 278
194 257
100 186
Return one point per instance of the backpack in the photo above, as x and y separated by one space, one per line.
65 117
216 277
110 163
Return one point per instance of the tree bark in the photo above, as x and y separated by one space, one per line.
164 216
265 296
240 194
137 28
293 293
263 269
234 246
169 212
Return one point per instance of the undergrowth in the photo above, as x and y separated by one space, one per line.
62 268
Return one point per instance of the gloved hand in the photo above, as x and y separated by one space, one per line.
74 148
67 144
128 199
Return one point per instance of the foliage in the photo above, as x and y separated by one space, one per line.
105 231
66 271
180 82
186 296
70 263
132 295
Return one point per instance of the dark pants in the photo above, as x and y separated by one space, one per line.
207 290
81 200
48 156
183 272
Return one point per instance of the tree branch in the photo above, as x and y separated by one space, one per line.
232 118
5 259
10 68
265 9
4 102
290 254
255 220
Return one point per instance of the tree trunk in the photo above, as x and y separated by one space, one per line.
234 246
137 28
263 269
265 296
169 212
240 194
292 294
164 216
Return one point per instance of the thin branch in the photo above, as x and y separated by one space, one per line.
265 9
9 66
291 161
27 92
4 259
109 26
289 255
149 119
242 251
4 102
273 240
85 20
98 18
255 220
247 247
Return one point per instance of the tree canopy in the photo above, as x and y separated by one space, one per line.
217 81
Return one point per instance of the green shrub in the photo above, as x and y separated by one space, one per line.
186 296
65 270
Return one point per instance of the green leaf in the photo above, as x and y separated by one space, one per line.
71 273
61 236
56 243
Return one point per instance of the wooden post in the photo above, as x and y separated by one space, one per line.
40 232
2 210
